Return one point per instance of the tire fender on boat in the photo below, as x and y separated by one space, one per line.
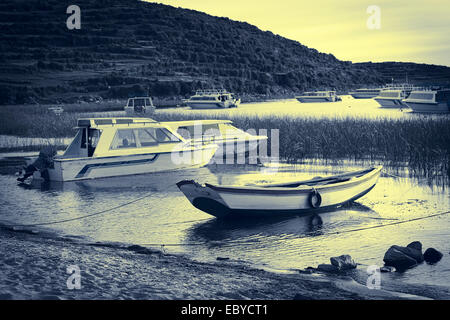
315 199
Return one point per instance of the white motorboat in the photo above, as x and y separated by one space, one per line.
139 106
109 147
212 99
391 98
429 101
365 93
230 139
317 194
318 96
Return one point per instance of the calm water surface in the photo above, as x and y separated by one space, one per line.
165 217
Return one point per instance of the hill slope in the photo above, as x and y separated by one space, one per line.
128 47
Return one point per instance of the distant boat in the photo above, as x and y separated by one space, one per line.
139 106
318 96
365 93
230 139
392 95
429 101
110 147
212 99
317 194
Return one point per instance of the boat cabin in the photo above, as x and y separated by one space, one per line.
212 95
207 130
139 105
103 137
320 93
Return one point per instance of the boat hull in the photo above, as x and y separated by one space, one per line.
103 167
391 103
363 95
212 105
429 107
315 99
252 201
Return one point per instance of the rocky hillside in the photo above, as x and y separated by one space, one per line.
128 47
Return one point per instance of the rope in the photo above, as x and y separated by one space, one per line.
88 215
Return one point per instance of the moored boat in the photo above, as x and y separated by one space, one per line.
314 195
230 140
110 147
212 99
318 96
391 98
139 105
429 101
365 93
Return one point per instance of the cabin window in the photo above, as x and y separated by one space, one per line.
130 103
163 135
123 139
422 96
145 138
197 132
390 94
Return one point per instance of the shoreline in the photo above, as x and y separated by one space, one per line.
34 267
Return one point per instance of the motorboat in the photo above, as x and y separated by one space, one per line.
308 196
139 106
110 147
391 98
392 95
429 101
230 139
365 93
212 99
318 96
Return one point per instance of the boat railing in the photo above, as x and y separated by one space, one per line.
210 91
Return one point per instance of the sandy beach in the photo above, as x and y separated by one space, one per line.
34 266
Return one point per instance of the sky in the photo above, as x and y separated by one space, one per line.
409 30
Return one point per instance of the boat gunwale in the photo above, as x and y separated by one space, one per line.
194 147
301 189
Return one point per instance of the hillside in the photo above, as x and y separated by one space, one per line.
128 47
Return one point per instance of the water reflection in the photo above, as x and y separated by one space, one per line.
287 226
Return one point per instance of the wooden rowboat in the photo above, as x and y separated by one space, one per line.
308 196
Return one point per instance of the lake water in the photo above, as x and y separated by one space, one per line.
348 107
165 217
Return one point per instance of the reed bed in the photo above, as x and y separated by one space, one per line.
420 142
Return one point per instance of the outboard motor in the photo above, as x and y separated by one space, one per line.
43 162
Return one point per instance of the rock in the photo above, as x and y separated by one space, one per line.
411 252
328 268
142 250
308 270
222 258
396 257
387 269
432 256
415 245
344 262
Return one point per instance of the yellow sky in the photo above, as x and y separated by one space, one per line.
411 30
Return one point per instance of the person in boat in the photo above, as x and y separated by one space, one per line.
43 161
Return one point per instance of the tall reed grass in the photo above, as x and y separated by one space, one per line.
420 141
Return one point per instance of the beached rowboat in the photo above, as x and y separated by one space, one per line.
318 194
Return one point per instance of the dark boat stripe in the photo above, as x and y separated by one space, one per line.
87 168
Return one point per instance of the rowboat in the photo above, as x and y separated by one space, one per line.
308 196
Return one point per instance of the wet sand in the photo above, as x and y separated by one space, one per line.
34 267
